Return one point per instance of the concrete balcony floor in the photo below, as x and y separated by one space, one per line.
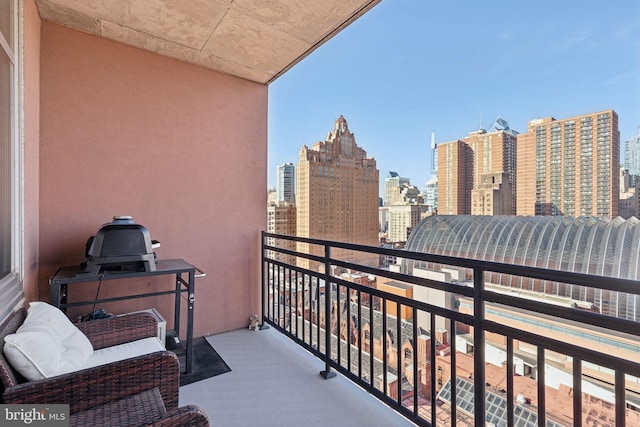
275 382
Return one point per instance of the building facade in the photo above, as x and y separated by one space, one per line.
629 204
452 179
570 167
431 193
399 191
632 154
464 165
393 185
493 196
281 219
402 219
383 220
286 183
337 195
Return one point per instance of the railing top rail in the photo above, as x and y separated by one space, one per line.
589 280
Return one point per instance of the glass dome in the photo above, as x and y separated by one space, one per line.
588 245
595 246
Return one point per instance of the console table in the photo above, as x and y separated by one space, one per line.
184 272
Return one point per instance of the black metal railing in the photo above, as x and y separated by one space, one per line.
457 352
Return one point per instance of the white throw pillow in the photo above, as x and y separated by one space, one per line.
42 312
47 344
45 316
36 355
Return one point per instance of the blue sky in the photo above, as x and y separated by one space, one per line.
412 67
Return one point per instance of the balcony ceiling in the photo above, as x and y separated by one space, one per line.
257 40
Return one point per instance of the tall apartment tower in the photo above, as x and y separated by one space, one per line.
632 154
337 195
570 167
453 185
286 183
477 174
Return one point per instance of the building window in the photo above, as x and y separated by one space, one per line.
10 160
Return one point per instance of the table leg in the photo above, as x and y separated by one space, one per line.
192 298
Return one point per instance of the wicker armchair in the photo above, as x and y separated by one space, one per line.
128 389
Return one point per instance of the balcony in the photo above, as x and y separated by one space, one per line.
570 365
275 382
107 127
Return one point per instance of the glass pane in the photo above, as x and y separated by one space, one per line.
5 165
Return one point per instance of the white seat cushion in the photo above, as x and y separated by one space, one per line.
107 355
49 344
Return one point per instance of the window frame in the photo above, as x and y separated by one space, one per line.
11 285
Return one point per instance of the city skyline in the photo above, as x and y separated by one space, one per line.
402 72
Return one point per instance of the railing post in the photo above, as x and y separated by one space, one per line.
327 373
264 294
478 347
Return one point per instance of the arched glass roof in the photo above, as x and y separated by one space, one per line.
585 245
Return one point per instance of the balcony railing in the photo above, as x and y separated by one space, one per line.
506 356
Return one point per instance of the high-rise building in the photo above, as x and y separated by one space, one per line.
383 219
399 191
453 185
404 207
272 196
494 195
632 154
431 193
402 219
281 219
629 204
570 167
337 195
286 183
431 187
434 155
465 165
393 184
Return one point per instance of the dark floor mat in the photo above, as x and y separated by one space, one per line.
207 362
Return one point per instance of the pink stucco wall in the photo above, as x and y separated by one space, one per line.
31 147
180 148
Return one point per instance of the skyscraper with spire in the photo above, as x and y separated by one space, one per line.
337 195
434 155
431 187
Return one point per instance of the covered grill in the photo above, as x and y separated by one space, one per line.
121 245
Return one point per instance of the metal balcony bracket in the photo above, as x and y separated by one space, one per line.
327 374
